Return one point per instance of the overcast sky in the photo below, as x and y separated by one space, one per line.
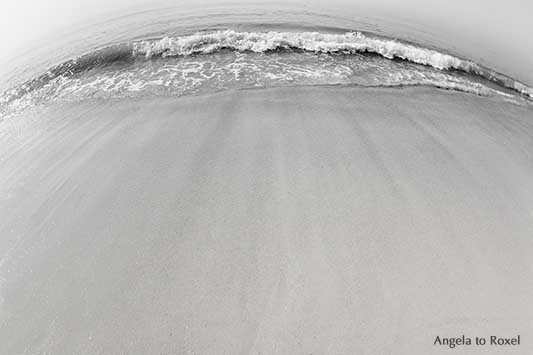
505 26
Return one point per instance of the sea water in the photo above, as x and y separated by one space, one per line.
176 52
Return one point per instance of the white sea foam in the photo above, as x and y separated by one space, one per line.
351 42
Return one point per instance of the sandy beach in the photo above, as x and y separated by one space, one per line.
325 220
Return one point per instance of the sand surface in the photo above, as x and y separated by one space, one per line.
283 221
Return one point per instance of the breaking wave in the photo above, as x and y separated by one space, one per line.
422 66
347 43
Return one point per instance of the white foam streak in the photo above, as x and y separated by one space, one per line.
351 42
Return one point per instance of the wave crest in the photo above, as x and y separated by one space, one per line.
347 43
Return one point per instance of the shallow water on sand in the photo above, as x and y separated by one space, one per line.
295 220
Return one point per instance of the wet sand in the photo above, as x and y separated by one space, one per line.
282 221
